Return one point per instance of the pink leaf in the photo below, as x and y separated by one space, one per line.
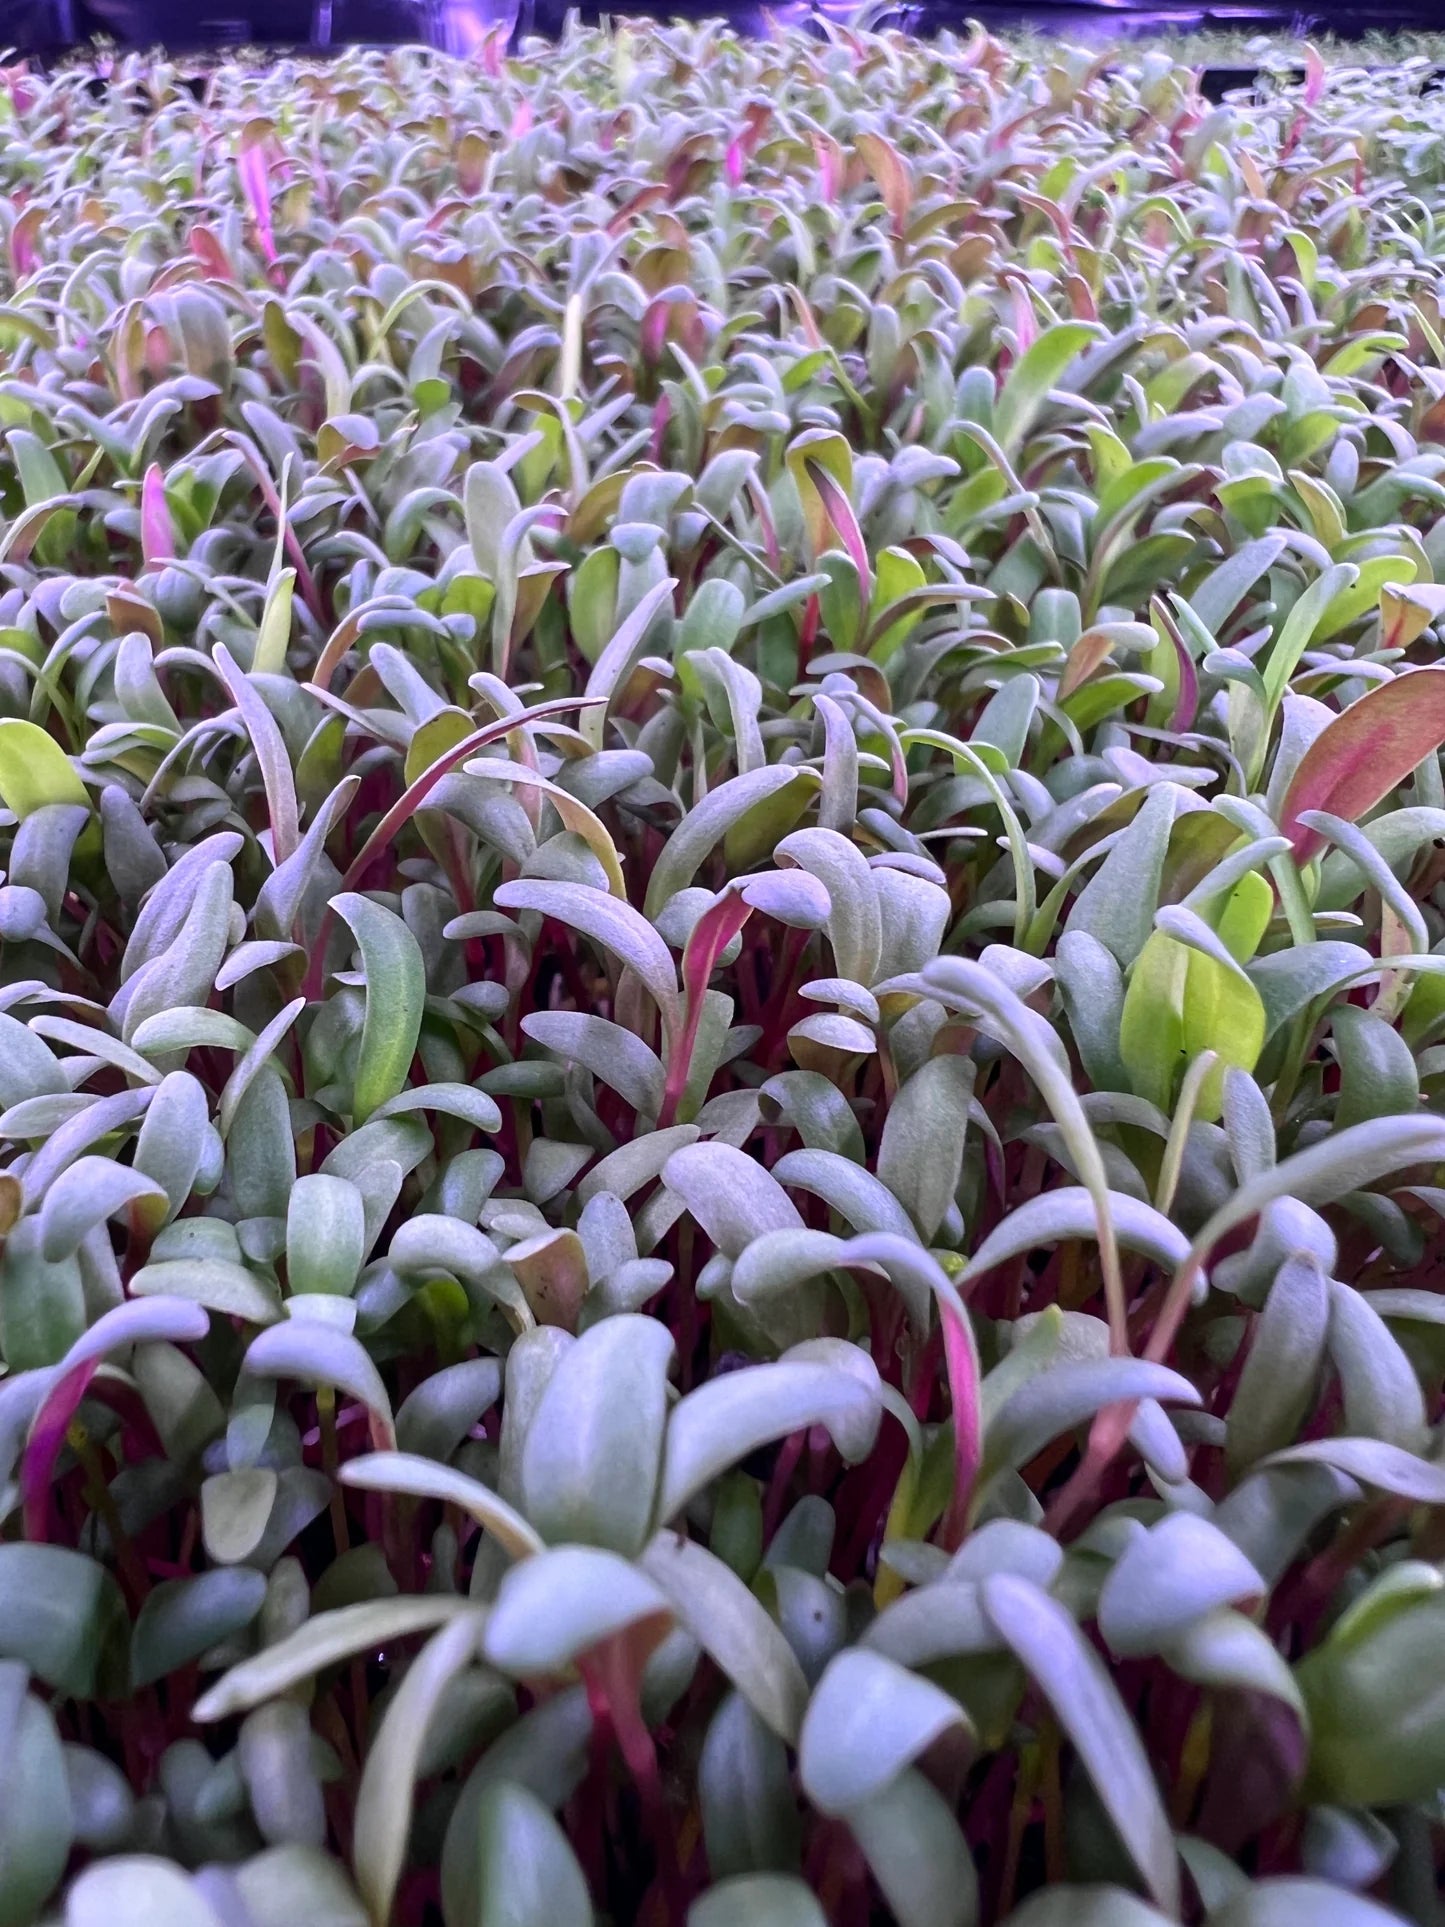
830 172
839 511
1366 752
1187 705
47 1435
137 1321
257 188
1026 322
967 1441
157 534
654 328
521 121
23 91
1314 75
711 935
735 159
661 416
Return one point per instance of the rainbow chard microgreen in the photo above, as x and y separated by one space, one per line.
722 988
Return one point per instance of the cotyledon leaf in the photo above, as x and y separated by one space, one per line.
395 996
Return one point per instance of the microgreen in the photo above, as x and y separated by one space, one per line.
722 988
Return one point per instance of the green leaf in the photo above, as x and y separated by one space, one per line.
1183 1000
1227 1651
750 1817
620 658
1280 1380
1055 1217
1066 1395
1382 1396
216 1283
323 1355
325 1235
610 922
423 1478
920 1156
824 1382
722 812
729 1622
235 1508
518 1869
1346 1161
92 1190
1299 1902
462 1101
1299 626
757 1900
433 1420
293 1882
1037 371
395 996
731 1195
36 1818
1116 906
60 1615
970 986
181 1619
34 771
917 1853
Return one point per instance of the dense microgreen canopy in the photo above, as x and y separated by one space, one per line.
722 989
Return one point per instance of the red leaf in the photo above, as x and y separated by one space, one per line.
24 256
211 255
1367 751
890 171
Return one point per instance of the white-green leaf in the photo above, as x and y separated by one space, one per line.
383 1800
593 1449
559 1604
729 1622
322 1642
424 1478
1169 1576
1076 1684
868 1719
826 1382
